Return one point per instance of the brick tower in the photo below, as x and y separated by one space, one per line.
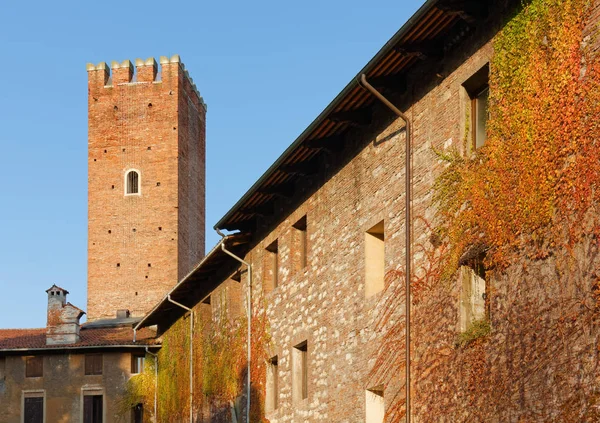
146 170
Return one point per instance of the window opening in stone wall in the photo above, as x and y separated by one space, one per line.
92 408
137 363
132 182
2 368
93 364
137 413
273 384
33 409
474 295
34 366
374 259
300 244
478 90
300 371
374 405
272 265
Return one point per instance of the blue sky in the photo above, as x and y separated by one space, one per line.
266 69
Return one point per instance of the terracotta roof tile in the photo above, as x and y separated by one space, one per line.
36 338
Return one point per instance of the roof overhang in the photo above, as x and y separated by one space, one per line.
197 284
432 31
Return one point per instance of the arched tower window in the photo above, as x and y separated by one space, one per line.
132 182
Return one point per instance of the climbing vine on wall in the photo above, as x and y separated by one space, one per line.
536 176
529 197
219 367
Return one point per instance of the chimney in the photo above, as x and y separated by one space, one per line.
63 318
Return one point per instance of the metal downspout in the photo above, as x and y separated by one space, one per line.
249 318
155 381
407 172
191 352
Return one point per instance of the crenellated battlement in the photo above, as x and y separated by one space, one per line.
144 71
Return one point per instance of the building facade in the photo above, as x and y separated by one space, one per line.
69 372
146 163
322 235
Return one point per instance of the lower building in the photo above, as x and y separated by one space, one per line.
69 372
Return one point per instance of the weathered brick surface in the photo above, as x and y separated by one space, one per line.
140 245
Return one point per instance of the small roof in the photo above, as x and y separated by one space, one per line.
35 339
199 283
57 287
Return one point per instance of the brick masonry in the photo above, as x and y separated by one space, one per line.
139 246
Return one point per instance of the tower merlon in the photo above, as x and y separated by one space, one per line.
122 72
99 73
146 70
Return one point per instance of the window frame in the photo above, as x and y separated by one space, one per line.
126 182
94 400
272 397
475 129
33 393
374 259
272 263
92 369
300 372
475 86
37 361
300 235
137 359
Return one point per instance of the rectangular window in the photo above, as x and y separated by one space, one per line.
33 409
272 399
300 245
137 414
300 371
2 368
272 265
137 363
93 364
479 111
34 366
374 405
374 260
478 91
473 293
92 409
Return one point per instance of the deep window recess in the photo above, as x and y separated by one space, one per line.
92 409
300 371
33 410
137 363
474 297
374 259
272 265
273 385
34 366
300 244
479 109
93 364
374 405
478 90
132 182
